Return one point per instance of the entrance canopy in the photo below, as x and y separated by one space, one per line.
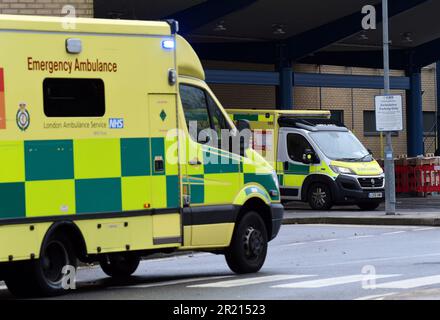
321 32
312 31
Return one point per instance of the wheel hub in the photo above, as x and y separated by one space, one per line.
253 242
54 259
319 197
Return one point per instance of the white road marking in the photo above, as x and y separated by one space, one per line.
410 283
332 281
424 229
392 233
158 259
178 257
326 240
361 226
376 296
360 237
169 283
294 244
248 281
375 259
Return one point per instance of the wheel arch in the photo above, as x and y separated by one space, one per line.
317 178
74 234
258 205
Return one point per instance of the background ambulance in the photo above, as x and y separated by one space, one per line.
99 162
317 160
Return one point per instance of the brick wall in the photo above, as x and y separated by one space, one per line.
353 103
429 98
84 8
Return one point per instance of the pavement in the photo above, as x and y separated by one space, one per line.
414 211
305 262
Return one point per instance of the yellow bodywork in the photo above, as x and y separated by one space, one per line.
71 167
361 168
265 123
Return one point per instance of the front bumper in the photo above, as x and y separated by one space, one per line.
348 191
277 211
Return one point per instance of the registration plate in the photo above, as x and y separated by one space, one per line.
375 195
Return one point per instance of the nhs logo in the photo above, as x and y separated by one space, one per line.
116 123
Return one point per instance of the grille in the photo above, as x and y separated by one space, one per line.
371 182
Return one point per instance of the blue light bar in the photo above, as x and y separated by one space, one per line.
168 44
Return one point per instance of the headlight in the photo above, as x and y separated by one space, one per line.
342 170
275 178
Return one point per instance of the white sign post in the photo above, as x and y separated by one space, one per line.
389 118
389 115
390 179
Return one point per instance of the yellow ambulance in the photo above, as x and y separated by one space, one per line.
318 160
100 161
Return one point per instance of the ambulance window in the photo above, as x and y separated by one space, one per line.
195 109
218 119
296 146
74 97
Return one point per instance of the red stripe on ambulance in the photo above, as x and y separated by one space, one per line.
2 101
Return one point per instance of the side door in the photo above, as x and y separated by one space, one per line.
213 173
292 147
164 172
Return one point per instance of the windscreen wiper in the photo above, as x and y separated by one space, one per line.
347 159
362 158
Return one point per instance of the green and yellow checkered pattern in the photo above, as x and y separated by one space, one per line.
221 177
66 177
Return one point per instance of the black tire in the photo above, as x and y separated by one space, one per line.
248 248
368 206
319 197
2 273
120 265
43 276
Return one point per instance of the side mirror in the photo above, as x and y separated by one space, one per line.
242 125
369 151
309 157
244 134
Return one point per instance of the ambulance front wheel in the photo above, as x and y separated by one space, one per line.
248 248
119 265
319 197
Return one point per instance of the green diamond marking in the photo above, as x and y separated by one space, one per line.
163 115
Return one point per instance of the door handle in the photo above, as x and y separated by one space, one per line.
159 164
195 162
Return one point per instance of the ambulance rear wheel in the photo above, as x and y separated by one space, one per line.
319 197
120 265
50 275
248 248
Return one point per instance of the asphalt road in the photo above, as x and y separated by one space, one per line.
304 262
405 205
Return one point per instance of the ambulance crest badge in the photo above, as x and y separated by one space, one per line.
23 117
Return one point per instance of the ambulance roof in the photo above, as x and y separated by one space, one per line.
188 63
83 25
311 124
286 113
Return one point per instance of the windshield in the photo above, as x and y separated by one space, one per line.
342 146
